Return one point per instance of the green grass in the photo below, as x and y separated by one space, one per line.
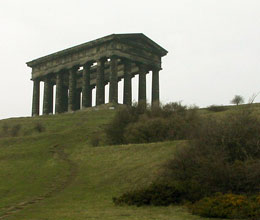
75 180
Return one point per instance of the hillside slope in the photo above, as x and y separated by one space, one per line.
56 174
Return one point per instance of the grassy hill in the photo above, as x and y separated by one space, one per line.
56 174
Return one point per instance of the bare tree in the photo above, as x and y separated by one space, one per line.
252 98
238 99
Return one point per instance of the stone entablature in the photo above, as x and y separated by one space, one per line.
102 61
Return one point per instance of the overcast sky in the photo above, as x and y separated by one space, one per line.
214 45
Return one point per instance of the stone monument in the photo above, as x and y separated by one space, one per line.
78 70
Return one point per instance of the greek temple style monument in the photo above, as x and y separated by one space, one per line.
78 70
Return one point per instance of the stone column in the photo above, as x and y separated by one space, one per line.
59 108
36 98
142 85
90 101
113 86
51 100
100 90
78 99
47 96
72 89
65 98
127 99
155 87
86 88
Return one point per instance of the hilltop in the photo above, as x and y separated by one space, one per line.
49 170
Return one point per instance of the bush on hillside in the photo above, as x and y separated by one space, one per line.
217 108
223 156
5 128
116 128
203 173
228 206
39 127
156 194
147 130
139 124
236 134
14 131
95 139
4 132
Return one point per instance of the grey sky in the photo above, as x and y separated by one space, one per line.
214 45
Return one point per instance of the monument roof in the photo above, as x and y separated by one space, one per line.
97 42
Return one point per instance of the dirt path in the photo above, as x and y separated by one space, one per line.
56 150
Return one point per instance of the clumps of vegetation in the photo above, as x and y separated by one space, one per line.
228 206
5 128
217 108
141 124
222 156
14 130
156 194
39 127
115 130
10 131
236 135
95 139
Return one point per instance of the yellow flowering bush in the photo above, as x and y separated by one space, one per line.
228 206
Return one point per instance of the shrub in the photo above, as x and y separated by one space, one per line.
156 194
39 127
237 134
244 176
145 131
227 206
139 124
5 128
223 157
15 130
174 107
95 139
116 128
217 108
197 171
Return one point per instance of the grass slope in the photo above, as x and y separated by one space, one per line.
57 175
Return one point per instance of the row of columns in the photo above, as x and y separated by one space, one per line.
68 97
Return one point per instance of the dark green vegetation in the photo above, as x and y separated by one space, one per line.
139 124
222 156
56 174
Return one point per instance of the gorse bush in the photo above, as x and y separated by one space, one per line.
228 206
